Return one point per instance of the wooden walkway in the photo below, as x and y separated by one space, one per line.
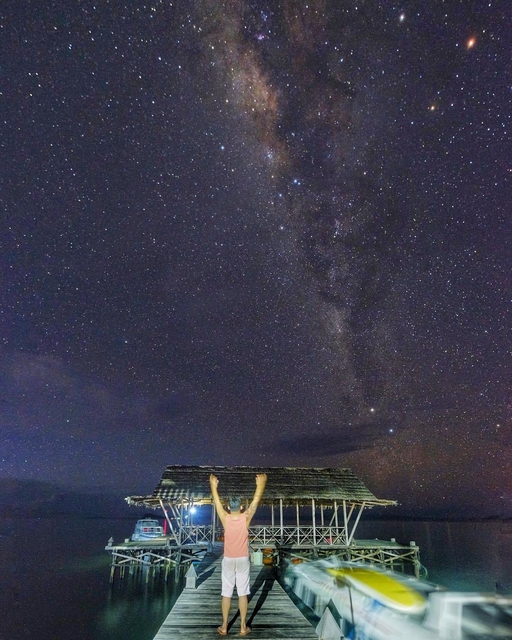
271 615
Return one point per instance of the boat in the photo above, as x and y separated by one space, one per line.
147 528
376 604
382 586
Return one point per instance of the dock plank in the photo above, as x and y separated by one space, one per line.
271 613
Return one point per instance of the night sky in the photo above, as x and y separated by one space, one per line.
268 233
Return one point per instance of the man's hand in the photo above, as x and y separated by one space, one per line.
261 479
214 481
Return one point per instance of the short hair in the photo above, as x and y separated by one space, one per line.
234 502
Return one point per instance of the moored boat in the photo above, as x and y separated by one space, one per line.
147 528
381 605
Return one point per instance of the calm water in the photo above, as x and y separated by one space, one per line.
55 574
55 584
464 556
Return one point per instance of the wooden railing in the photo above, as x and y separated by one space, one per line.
293 535
194 534
271 534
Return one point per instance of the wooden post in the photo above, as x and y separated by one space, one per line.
191 577
177 565
146 567
356 522
345 522
180 537
171 528
314 520
327 628
298 521
281 517
214 522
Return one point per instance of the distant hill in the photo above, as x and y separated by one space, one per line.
432 513
34 498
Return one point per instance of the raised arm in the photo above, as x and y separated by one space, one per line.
261 481
214 481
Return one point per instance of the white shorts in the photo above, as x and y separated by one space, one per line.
236 571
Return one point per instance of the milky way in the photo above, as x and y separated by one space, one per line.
308 80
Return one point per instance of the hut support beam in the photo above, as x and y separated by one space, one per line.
297 510
346 519
313 517
169 521
350 538
180 531
334 517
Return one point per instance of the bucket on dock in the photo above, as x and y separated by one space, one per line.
268 556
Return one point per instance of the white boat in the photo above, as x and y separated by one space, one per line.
147 528
382 605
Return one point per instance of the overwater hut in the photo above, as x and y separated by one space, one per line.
333 493
310 512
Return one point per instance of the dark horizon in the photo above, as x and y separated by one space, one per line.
33 498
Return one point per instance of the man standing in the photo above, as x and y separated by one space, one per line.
236 562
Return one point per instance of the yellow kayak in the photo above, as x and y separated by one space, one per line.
382 587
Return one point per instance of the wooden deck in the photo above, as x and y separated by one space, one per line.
271 615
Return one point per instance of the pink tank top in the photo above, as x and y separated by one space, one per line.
236 537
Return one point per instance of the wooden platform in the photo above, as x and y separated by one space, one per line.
271 615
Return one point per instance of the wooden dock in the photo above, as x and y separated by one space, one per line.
271 614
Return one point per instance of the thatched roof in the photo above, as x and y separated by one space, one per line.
292 484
